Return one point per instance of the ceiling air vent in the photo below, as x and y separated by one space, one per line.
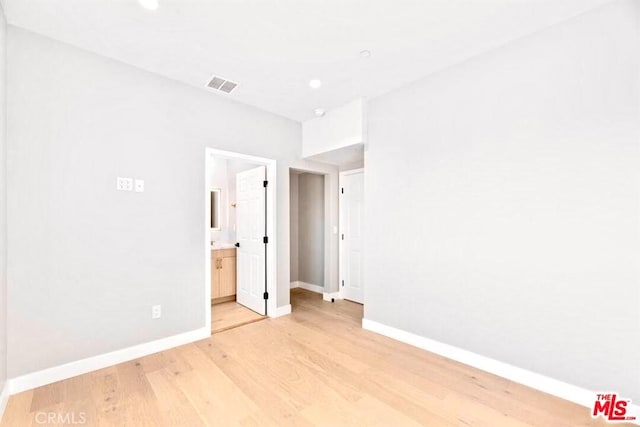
224 85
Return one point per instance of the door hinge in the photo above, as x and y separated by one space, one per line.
342 190
265 240
343 283
265 295
265 183
343 237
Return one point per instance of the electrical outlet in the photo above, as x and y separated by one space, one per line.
156 311
139 186
124 184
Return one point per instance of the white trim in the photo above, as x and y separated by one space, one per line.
207 242
328 295
282 311
4 397
79 367
272 232
294 284
572 393
310 287
271 264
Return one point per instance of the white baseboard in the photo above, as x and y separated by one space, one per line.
572 393
79 367
294 284
327 296
282 311
4 398
310 287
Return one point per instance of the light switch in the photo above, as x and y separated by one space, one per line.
139 186
124 184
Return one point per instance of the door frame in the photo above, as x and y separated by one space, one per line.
341 222
331 195
326 235
271 261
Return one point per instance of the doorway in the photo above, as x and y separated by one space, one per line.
309 230
240 238
352 235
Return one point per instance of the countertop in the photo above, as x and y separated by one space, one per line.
222 245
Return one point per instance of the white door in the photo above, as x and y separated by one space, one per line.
250 229
352 235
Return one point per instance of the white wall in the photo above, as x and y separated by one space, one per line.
508 188
352 166
341 127
87 262
293 221
3 203
311 228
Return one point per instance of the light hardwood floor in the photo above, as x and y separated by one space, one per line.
314 367
228 315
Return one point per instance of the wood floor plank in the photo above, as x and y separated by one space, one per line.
314 367
46 397
255 385
212 393
176 409
18 410
140 401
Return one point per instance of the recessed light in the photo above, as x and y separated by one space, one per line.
318 112
149 4
315 83
365 53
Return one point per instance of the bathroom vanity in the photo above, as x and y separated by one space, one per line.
223 274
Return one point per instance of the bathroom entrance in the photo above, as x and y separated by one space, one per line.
240 238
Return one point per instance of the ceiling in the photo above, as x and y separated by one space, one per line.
272 48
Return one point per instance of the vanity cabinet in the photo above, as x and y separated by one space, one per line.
223 275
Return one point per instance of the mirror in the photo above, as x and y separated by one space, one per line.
215 209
